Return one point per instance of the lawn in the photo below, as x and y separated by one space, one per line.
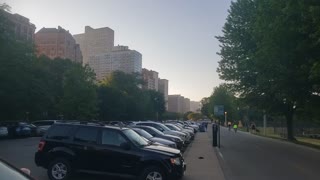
301 140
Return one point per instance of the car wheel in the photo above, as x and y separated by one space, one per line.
59 169
152 173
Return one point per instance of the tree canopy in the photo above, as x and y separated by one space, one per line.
41 88
270 54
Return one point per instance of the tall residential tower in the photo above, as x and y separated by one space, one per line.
95 41
57 43
121 58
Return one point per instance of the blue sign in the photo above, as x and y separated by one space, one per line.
218 110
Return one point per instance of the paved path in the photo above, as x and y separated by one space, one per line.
207 168
249 157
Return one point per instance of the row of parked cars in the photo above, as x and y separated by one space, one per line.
24 129
144 149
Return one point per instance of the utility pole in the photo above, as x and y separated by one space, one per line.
264 123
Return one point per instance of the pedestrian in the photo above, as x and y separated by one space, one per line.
235 127
253 128
229 125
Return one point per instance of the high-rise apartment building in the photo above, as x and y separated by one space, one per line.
95 41
195 106
23 29
151 79
176 103
57 43
121 58
186 105
163 87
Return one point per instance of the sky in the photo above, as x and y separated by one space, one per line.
175 37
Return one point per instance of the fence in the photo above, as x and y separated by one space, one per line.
277 127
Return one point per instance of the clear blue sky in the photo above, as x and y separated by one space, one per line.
175 37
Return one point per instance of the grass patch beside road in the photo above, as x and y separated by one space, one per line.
310 142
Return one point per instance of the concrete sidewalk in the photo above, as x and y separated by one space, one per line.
207 168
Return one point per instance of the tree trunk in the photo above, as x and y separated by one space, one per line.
289 117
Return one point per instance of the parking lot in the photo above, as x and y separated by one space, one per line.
20 152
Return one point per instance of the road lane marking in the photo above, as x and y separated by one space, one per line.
220 154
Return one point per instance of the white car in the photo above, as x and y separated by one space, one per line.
161 127
3 131
43 125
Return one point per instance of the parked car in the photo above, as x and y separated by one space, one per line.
18 129
117 123
148 136
161 127
43 126
33 128
3 131
67 148
186 125
173 127
189 129
8 172
156 133
194 125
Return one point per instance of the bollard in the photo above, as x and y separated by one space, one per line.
214 135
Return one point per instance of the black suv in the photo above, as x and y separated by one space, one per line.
68 148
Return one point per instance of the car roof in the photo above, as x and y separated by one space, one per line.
91 125
46 120
151 122
141 126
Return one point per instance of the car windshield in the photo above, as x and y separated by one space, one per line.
174 127
157 131
143 133
164 127
7 172
135 138
179 125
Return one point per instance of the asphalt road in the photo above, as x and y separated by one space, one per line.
248 157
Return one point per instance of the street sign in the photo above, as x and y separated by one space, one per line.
219 110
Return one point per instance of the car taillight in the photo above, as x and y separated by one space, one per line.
41 145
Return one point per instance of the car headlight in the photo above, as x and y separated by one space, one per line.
175 161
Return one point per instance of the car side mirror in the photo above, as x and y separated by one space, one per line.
125 146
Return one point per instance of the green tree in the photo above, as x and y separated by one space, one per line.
268 48
185 115
194 116
120 98
205 105
155 104
222 96
79 93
